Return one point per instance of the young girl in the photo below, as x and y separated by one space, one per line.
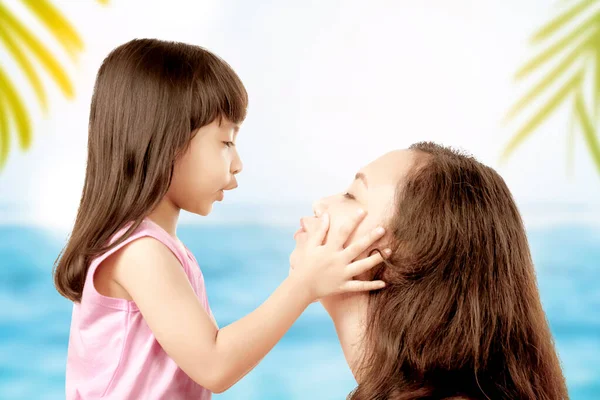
163 124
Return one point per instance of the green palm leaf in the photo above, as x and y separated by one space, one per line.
558 47
574 49
57 24
597 80
539 117
551 77
560 21
571 143
589 133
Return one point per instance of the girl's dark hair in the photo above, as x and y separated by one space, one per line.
150 98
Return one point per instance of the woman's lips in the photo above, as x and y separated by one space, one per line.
302 228
299 231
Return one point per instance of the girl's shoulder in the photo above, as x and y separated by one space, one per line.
148 254
147 240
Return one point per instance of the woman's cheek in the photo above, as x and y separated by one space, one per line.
342 214
364 228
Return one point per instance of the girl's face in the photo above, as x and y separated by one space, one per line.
373 190
207 168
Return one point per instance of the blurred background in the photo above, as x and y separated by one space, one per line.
332 85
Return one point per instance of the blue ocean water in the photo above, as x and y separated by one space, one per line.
242 264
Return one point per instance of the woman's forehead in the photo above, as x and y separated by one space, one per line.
389 168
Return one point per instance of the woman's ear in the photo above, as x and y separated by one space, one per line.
370 274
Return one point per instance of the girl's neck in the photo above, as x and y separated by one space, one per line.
166 215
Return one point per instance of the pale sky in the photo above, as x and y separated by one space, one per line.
332 85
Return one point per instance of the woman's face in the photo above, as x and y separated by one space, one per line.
373 190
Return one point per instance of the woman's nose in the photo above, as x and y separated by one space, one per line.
319 207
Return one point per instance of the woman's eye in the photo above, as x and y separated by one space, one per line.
349 196
229 144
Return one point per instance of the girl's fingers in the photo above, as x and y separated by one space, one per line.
361 266
359 246
362 286
339 237
319 236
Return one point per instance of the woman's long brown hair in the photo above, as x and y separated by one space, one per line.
461 316
149 99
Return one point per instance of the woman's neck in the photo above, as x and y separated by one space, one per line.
348 313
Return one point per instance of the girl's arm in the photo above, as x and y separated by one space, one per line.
216 359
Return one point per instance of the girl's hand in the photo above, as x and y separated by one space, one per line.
327 269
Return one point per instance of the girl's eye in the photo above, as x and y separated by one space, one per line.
229 144
349 196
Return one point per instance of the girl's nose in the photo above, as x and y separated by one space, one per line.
237 166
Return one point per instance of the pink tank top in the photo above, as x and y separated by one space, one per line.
113 353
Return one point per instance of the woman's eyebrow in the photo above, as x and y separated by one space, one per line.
362 177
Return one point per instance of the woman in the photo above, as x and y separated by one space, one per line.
460 316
